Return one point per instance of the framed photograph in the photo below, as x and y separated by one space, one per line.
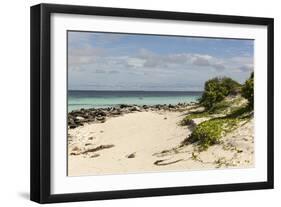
133 103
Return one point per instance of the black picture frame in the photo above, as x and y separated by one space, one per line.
41 95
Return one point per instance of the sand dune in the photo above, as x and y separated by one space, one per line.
150 142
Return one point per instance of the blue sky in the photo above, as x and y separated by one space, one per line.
114 61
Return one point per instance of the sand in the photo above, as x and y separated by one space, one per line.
150 142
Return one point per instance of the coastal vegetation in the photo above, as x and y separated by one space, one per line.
217 89
248 91
227 105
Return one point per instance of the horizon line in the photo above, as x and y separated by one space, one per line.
136 90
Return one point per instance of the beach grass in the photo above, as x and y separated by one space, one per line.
211 131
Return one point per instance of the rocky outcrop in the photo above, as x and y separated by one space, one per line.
78 118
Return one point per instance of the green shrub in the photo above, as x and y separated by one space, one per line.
231 85
210 132
219 107
248 91
207 133
188 119
241 112
217 89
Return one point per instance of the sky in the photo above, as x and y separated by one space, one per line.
115 61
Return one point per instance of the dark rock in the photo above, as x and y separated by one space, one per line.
132 155
72 126
77 122
115 113
91 119
77 118
94 155
112 109
158 106
100 118
171 106
70 122
86 115
124 106
135 108
100 113
74 153
145 107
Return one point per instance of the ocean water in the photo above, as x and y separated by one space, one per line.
102 99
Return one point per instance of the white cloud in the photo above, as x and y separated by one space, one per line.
246 67
201 60
149 59
85 55
145 59
99 71
136 62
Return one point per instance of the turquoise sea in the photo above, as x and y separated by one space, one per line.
102 99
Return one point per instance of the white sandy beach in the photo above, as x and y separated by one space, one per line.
150 142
